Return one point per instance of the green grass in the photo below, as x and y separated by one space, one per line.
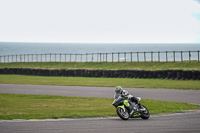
20 106
193 65
104 82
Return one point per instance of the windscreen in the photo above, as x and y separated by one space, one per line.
116 96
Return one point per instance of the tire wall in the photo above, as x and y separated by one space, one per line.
161 74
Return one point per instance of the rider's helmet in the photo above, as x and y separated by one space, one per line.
118 90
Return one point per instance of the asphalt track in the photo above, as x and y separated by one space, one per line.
173 123
188 96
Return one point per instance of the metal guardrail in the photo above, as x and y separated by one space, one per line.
158 56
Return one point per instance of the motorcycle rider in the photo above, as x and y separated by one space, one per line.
124 93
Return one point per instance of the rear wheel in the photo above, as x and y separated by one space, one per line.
145 114
123 115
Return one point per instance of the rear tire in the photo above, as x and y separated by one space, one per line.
123 115
145 114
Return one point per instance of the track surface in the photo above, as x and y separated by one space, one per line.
177 123
188 96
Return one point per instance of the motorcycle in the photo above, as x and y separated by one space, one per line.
127 109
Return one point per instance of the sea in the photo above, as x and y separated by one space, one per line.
23 48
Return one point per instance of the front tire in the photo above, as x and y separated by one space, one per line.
123 115
145 114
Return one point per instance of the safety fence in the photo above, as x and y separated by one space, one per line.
158 56
163 74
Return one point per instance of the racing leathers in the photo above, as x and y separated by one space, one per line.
125 93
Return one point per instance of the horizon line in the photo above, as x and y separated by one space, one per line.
103 42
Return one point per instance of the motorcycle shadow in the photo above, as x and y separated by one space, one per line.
131 119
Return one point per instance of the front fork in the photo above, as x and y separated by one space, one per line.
124 108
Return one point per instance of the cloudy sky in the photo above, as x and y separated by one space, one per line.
100 21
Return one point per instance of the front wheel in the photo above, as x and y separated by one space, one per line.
145 114
123 115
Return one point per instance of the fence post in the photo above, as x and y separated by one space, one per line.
41 57
86 57
106 57
131 56
137 57
189 56
100 57
151 56
37 57
50 56
174 56
198 55
158 56
112 57
28 57
125 56
144 56
16 59
75 57
24 58
118 56
181 56
166 57
45 56
32 57
21 58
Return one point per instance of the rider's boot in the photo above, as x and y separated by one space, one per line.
141 108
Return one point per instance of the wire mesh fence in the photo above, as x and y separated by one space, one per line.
154 56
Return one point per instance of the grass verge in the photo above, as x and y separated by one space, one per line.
104 82
20 106
186 65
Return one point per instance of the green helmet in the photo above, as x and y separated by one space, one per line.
118 89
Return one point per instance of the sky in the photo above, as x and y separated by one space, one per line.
100 21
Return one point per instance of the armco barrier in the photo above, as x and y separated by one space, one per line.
161 74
